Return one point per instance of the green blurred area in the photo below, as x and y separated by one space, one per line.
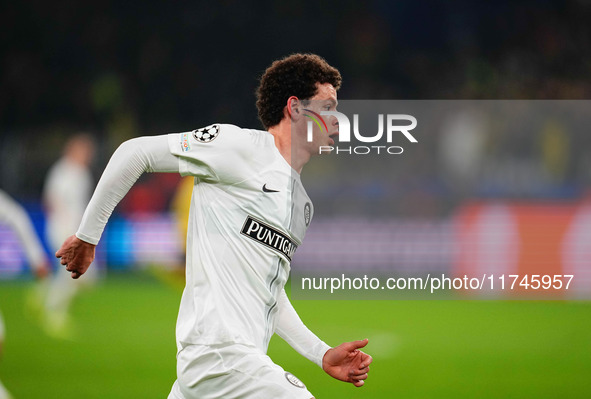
422 349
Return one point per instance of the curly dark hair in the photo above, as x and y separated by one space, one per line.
295 75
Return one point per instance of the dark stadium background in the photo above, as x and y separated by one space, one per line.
124 69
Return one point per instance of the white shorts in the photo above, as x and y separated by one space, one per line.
232 371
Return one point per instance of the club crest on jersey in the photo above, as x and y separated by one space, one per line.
206 134
268 236
293 380
307 213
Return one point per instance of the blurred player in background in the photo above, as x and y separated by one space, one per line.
13 215
67 190
3 392
249 212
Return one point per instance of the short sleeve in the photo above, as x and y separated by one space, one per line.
214 153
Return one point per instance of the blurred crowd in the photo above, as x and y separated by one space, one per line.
119 70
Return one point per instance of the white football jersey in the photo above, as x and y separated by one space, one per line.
67 190
249 212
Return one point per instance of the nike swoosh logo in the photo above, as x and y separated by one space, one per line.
268 190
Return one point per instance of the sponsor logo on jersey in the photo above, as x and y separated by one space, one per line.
206 134
185 144
293 380
268 236
268 190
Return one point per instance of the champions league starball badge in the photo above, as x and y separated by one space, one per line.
206 134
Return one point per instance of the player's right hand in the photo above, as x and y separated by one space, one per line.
76 255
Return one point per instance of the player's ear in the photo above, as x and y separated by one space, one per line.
294 108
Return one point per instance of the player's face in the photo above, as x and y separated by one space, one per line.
325 99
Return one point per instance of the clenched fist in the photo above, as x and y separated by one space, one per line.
76 255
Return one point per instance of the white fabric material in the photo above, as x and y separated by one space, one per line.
128 163
4 394
231 274
291 328
233 281
16 217
232 372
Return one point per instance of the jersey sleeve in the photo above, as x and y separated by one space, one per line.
215 153
291 328
128 163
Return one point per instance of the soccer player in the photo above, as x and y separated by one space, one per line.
13 215
249 212
68 188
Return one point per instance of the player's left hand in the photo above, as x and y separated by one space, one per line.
347 363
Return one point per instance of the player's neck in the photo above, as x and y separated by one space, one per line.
295 157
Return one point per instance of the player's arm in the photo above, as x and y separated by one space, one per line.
133 158
344 362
